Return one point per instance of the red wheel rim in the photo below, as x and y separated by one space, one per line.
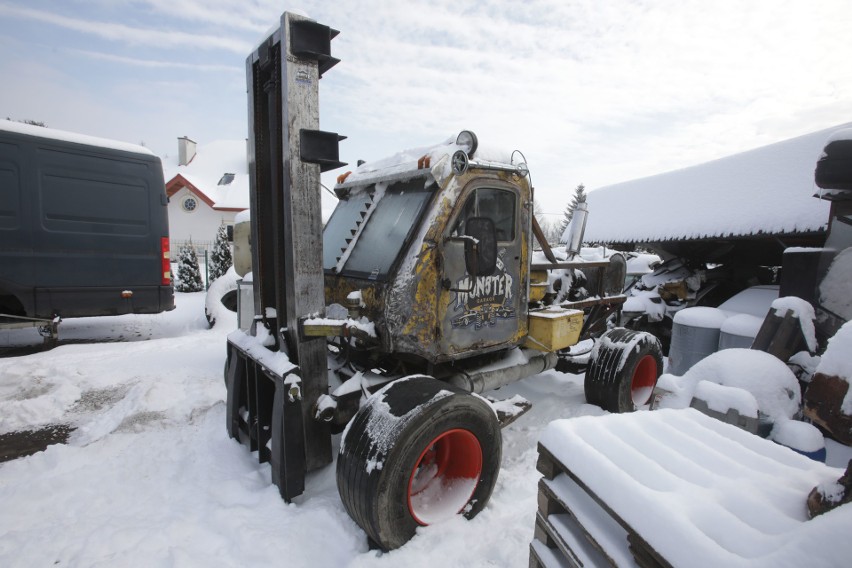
444 477
644 379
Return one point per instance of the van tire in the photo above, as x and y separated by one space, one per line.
623 370
407 430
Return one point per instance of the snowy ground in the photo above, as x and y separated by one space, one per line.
149 478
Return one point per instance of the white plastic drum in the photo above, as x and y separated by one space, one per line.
695 335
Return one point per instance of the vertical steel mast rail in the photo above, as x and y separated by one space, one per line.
269 406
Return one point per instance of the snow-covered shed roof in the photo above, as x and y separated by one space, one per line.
766 191
205 175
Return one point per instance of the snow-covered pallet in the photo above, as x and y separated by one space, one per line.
574 527
678 488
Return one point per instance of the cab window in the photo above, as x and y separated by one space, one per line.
388 230
495 204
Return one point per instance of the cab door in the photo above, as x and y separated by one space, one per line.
481 309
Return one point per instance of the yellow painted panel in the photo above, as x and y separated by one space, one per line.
554 329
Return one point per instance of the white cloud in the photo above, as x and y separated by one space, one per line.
118 32
157 64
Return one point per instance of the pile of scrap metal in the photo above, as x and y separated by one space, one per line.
678 283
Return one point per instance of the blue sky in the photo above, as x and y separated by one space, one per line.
591 91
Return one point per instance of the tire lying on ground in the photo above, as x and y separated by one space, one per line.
420 451
221 294
623 369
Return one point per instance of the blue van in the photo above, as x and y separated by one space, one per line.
83 226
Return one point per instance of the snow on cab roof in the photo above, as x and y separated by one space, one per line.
768 190
405 163
53 134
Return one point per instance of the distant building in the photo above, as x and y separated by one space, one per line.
207 186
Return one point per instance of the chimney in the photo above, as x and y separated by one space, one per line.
186 150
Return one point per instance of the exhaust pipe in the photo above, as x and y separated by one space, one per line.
577 228
486 379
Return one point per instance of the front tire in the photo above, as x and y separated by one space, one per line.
623 370
419 452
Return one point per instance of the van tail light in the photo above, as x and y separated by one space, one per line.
166 267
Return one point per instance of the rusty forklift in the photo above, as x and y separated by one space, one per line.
395 323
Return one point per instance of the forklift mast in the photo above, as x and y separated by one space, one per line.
286 153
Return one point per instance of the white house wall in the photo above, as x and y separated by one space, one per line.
199 225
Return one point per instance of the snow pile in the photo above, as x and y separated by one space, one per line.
44 399
837 362
721 398
798 435
101 388
766 190
641 262
772 384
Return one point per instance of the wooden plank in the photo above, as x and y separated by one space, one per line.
599 538
645 556
547 465
542 240
780 336
559 552
543 557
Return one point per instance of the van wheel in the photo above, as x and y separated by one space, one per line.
623 370
419 452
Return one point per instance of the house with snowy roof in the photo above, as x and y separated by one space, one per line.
747 207
207 185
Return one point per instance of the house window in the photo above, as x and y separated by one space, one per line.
189 204
226 179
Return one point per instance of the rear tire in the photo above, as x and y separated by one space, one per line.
420 451
623 370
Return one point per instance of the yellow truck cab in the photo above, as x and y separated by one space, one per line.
435 245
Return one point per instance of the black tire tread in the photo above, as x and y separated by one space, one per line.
361 492
605 384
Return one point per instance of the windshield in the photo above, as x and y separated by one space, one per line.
388 218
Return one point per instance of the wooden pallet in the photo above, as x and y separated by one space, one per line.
575 528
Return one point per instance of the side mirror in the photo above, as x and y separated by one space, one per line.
480 246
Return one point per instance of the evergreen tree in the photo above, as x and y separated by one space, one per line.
188 274
220 258
578 197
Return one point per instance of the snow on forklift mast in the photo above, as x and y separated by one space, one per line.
276 373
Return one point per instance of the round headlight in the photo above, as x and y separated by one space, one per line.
460 162
467 140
